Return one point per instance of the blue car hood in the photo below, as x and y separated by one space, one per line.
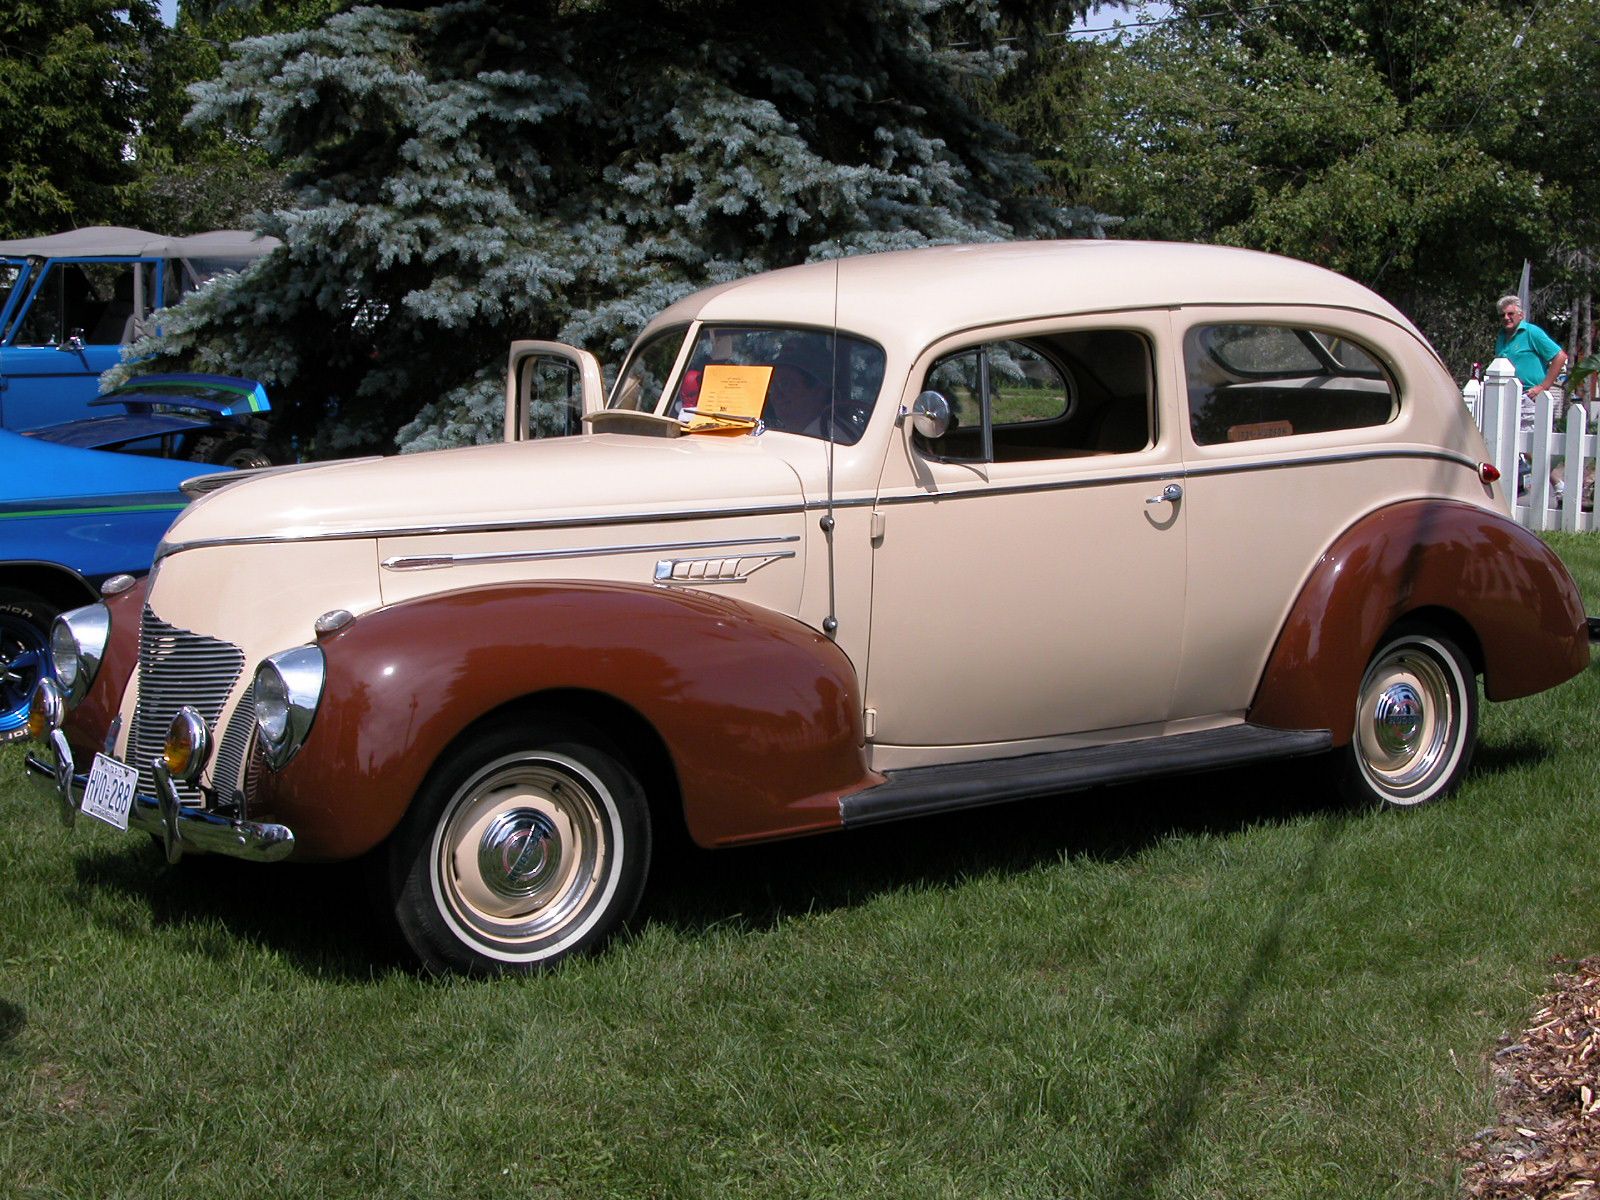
92 433
33 470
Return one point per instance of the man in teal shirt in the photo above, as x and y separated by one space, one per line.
1534 354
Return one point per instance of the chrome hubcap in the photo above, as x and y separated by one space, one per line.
522 850
1398 719
1407 723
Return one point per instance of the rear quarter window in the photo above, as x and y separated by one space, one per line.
1248 382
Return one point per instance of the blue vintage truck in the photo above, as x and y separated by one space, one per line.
72 301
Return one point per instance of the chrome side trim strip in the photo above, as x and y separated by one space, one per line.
1172 472
1175 470
591 522
428 562
1194 471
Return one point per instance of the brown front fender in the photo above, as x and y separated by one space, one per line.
760 715
87 724
1474 566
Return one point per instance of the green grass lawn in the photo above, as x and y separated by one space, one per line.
1222 986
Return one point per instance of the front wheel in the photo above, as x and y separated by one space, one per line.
24 642
1416 721
529 843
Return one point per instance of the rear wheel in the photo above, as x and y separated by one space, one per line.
24 639
529 843
239 452
1416 721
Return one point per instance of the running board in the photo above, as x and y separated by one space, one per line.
918 791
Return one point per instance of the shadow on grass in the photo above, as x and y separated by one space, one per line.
319 918
760 887
322 920
13 1019
1508 756
1170 1121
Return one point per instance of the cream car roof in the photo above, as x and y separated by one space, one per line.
906 298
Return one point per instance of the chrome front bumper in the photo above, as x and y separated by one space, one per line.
177 827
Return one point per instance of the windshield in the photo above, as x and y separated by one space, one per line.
800 381
10 272
639 387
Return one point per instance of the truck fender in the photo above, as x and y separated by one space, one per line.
760 715
1500 581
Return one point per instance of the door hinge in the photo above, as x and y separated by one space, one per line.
877 527
869 723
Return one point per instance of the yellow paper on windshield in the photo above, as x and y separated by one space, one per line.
730 391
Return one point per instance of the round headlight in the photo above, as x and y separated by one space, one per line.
77 642
288 688
64 654
188 745
272 705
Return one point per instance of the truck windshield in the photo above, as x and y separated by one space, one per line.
10 272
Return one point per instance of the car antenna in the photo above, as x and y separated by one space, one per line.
830 623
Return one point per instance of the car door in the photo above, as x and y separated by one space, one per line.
1294 428
550 388
1028 583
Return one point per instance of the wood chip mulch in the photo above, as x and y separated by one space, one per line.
1547 1144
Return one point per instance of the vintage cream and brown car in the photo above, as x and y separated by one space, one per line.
850 542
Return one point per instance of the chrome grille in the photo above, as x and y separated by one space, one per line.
177 667
232 752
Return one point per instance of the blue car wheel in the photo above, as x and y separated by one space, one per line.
24 641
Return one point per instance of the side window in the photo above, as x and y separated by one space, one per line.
95 300
554 394
1063 395
1248 382
957 379
43 322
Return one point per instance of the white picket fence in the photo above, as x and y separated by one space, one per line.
1526 444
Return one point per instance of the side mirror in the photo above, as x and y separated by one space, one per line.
930 415
74 342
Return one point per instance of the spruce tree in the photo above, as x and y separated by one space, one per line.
468 173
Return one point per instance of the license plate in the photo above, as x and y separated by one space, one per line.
109 793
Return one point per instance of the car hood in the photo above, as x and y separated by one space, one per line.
95 433
31 469
594 477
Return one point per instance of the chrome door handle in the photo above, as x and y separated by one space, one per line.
1170 494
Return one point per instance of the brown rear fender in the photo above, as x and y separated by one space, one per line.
760 715
1453 562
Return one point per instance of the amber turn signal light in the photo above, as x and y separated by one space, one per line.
187 746
47 711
